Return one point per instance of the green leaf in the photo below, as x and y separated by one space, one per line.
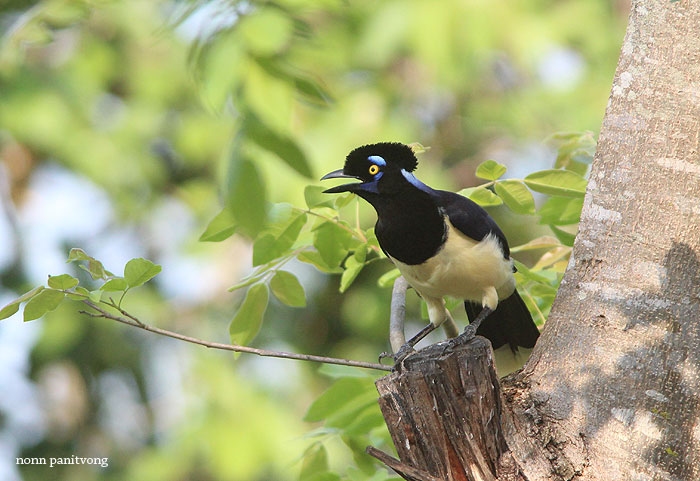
353 266
268 247
45 301
342 200
332 242
287 288
387 279
566 238
269 98
221 227
342 394
490 170
561 211
247 199
266 31
11 308
314 197
248 320
94 267
315 462
562 183
315 259
543 242
117 284
516 196
138 271
291 233
79 294
575 150
62 282
284 147
265 249
482 196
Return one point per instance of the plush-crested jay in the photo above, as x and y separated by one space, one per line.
442 243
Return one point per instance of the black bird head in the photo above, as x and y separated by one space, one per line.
382 168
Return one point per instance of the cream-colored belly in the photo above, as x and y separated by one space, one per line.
463 269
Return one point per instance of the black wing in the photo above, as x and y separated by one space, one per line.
470 219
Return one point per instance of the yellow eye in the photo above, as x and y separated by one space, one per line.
373 169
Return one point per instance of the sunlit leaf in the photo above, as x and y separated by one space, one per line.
269 97
388 278
138 271
248 320
284 147
266 31
561 211
94 267
247 198
287 288
315 462
343 393
482 196
516 196
542 242
557 182
221 227
332 242
314 197
268 246
62 282
567 238
117 284
490 170
353 266
315 259
44 301
12 307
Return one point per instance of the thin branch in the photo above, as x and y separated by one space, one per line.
130 320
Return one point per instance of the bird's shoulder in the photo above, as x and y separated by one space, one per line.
469 218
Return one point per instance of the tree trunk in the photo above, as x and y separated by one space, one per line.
612 388
611 391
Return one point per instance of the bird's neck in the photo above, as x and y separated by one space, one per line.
410 227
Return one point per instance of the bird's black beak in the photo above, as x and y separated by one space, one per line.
339 174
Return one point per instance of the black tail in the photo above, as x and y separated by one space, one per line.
511 323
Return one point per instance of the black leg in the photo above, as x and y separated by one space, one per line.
470 330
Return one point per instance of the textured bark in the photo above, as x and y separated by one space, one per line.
612 388
443 410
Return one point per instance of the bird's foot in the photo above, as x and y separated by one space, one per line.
467 335
405 351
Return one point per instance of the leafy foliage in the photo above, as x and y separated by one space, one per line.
275 93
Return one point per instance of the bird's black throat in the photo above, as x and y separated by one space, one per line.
410 227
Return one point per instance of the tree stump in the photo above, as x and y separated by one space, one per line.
443 410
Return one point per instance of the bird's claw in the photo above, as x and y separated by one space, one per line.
405 351
384 355
467 335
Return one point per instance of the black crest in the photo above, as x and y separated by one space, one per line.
401 155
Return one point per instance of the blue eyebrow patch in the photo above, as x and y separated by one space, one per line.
375 159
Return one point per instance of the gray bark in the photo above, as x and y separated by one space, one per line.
612 390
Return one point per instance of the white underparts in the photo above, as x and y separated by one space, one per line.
463 269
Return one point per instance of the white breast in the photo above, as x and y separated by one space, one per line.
463 269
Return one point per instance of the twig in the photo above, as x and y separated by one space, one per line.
130 320
404 470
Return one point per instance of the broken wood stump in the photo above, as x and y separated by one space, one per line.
443 410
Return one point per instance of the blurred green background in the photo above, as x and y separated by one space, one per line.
124 126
